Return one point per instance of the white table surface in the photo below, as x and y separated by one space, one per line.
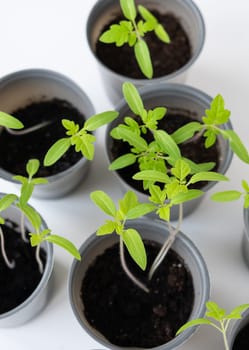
51 34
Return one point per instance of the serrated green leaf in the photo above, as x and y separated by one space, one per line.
167 144
181 170
86 146
135 247
98 120
9 121
210 136
156 194
237 146
237 311
226 196
107 228
143 58
186 132
32 167
104 202
162 34
152 175
186 196
133 98
129 9
129 201
140 210
164 213
122 132
56 151
214 311
6 201
217 114
65 244
207 176
123 161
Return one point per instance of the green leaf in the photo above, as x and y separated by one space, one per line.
133 98
143 58
167 144
186 196
162 34
6 201
197 168
226 196
98 120
32 215
186 132
56 151
147 15
164 213
237 311
20 178
123 161
64 243
135 247
192 323
210 136
152 175
140 210
107 228
26 193
217 114
181 170
104 202
214 311
207 176
35 239
32 167
9 121
86 146
127 202
245 185
131 137
237 146
39 181
129 9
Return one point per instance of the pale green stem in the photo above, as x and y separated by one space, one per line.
127 271
223 330
10 264
24 238
38 259
167 244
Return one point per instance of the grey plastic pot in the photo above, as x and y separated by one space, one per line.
32 85
155 231
37 301
187 13
245 238
235 327
176 97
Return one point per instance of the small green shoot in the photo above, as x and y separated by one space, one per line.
217 318
8 121
129 208
131 31
210 128
81 138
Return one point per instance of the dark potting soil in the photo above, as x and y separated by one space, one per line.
17 284
242 339
194 151
128 316
15 151
166 58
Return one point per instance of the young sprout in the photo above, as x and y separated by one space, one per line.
82 139
210 129
131 31
217 318
36 235
8 121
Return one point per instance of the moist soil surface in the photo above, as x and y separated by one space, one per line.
126 315
17 284
194 150
15 151
242 339
166 58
